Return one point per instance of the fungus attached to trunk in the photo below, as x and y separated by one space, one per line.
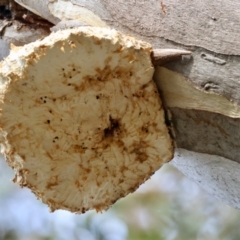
81 120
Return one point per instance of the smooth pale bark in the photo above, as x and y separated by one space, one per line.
202 111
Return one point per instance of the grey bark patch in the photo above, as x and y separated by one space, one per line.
68 25
217 175
4 49
207 132
206 24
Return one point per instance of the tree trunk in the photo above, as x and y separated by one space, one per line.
200 93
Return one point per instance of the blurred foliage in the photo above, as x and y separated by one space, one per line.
166 207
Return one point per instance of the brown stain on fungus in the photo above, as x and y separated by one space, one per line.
112 128
72 44
122 170
78 148
52 183
108 60
119 49
139 151
99 207
77 184
32 59
104 74
97 41
141 156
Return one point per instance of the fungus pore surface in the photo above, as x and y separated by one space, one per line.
81 120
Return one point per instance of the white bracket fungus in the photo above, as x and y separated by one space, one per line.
81 120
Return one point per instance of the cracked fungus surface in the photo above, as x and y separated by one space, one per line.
81 121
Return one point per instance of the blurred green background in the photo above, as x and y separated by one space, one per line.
168 207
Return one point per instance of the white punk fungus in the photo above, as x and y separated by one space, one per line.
81 120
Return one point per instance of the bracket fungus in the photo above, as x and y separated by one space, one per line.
82 124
